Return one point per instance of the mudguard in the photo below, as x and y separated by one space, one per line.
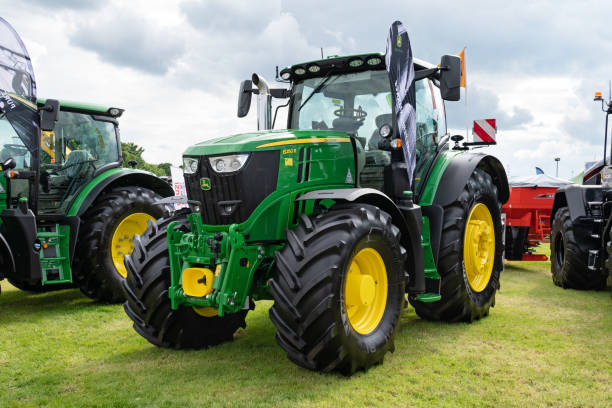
124 177
460 169
409 221
575 198
7 261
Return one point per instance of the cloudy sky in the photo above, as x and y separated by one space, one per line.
175 66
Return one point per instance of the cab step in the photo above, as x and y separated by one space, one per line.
55 254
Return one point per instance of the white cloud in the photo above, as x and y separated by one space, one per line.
176 66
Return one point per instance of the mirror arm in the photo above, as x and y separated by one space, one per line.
425 73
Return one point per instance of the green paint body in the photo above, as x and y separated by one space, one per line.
245 251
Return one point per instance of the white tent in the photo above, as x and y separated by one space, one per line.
539 180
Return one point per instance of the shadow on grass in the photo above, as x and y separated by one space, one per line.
522 267
17 306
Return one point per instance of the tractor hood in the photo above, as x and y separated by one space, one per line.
265 140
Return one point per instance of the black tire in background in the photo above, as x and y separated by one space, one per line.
310 309
568 262
148 304
93 269
459 301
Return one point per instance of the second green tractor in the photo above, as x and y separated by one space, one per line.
321 219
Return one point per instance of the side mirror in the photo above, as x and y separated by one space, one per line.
49 114
244 98
9 164
450 78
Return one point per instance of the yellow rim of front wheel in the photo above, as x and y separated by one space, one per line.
479 247
365 290
123 238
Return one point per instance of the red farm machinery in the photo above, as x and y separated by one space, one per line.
528 215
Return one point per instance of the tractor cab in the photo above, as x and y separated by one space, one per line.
359 102
84 140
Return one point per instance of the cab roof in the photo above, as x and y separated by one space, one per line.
83 107
344 64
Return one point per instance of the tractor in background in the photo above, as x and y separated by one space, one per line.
323 219
581 222
68 210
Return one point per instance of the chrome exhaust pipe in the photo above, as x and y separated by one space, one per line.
264 103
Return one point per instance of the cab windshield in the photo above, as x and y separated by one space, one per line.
357 103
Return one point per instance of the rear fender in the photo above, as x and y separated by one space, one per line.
117 178
409 222
458 173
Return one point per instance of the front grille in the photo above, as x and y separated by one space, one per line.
243 190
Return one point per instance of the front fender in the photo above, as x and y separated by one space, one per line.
7 261
117 178
409 221
575 198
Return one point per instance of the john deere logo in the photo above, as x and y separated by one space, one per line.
205 183
399 41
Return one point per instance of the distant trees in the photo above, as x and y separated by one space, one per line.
131 151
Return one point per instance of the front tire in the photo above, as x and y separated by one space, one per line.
471 250
568 262
148 304
339 289
106 235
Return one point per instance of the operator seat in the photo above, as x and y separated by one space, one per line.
77 164
350 126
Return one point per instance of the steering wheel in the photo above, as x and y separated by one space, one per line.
357 114
20 149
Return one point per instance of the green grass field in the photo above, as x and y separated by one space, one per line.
540 346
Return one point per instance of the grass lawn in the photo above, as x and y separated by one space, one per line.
540 346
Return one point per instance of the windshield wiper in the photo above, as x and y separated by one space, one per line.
316 90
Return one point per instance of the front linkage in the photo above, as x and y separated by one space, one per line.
241 269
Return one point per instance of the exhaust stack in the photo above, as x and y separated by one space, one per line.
264 103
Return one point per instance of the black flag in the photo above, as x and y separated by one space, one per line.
17 86
401 74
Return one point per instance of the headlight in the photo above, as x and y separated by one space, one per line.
385 130
228 164
190 165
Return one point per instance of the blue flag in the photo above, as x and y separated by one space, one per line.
539 170
400 66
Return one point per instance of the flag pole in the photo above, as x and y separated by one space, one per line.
467 123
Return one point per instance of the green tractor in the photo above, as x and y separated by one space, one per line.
325 220
68 210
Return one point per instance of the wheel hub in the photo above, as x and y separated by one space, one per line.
365 290
479 247
122 242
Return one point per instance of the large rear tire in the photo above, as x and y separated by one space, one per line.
148 304
106 235
568 262
339 289
471 250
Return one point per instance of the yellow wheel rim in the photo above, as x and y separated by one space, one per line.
365 290
123 238
479 247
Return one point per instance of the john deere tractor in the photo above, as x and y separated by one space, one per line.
68 210
581 234
325 220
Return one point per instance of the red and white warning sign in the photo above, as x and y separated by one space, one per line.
484 131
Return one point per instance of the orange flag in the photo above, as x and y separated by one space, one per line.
461 55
